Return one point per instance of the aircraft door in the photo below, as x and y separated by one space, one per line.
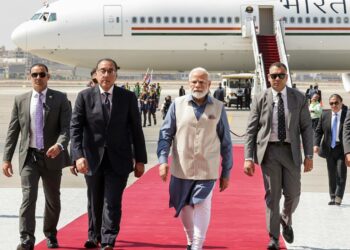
112 15
248 13
266 20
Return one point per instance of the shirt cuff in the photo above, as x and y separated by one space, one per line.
225 173
61 146
163 159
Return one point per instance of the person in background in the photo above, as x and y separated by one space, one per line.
328 143
166 106
247 95
315 109
143 100
137 89
158 90
107 145
182 91
200 119
93 80
318 91
279 118
219 93
309 92
42 118
239 94
152 105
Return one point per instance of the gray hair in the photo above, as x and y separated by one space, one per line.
203 70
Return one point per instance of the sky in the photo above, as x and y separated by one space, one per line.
13 13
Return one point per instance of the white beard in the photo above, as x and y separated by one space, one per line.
199 95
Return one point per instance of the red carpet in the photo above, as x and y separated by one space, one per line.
237 222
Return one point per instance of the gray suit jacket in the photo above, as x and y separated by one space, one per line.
346 133
56 128
260 120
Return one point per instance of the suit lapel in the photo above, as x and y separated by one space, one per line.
26 112
291 104
115 101
269 105
48 103
96 102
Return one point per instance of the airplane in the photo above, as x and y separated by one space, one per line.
179 35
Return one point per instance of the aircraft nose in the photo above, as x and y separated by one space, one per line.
19 36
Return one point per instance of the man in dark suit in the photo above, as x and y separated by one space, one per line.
105 130
330 130
279 116
42 117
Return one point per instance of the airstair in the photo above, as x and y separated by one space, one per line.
267 50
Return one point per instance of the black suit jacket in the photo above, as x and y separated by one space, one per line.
323 132
90 136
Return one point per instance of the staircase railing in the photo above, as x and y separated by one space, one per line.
279 31
260 79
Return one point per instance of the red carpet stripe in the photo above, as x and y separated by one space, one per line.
238 216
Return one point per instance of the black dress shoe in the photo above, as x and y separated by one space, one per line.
287 231
273 244
189 247
25 246
91 244
107 247
332 202
52 242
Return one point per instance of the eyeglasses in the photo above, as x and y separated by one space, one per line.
40 74
197 81
333 103
108 71
280 76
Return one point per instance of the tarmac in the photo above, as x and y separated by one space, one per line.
317 226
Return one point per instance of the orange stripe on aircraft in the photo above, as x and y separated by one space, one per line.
318 28
186 28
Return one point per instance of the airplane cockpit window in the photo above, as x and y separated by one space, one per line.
174 19
338 20
134 19
158 19
198 19
229 19
346 19
142 20
36 16
45 16
205 20
323 20
52 17
150 19
330 20
315 20
221 20
166 19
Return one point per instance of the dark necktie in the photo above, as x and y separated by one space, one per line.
106 107
39 123
334 130
281 119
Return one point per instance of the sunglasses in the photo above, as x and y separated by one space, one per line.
40 74
280 76
333 103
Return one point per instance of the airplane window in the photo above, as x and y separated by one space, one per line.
198 19
158 19
166 19
221 20
45 16
142 20
150 19
330 20
338 20
315 20
36 16
134 19
292 19
229 19
300 20
307 19
174 19
189 20
323 19
205 19
117 19
213 19
236 19
182 19
52 17
346 19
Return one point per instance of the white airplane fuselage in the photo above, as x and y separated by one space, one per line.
142 34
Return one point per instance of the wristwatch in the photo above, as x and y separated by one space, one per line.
310 157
